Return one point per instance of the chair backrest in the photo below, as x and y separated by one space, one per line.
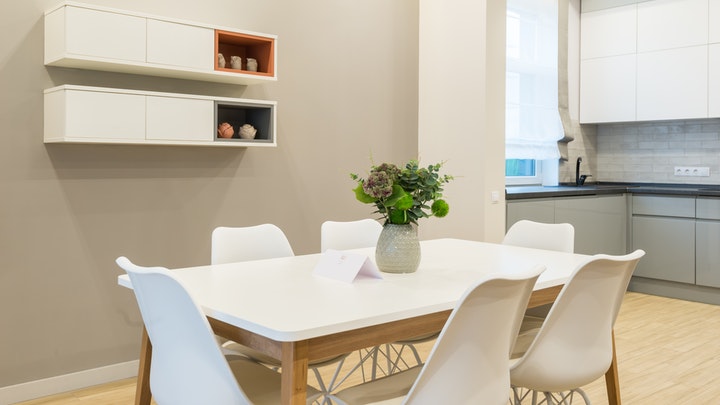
574 344
349 235
187 365
240 244
469 362
538 235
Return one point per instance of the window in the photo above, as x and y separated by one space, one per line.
532 120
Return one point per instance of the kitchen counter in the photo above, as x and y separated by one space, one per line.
526 192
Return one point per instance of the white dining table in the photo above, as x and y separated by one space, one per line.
279 307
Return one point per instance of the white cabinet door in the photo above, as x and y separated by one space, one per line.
179 119
110 116
180 45
672 84
714 16
100 34
714 80
607 89
608 32
665 24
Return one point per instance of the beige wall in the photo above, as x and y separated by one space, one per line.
347 90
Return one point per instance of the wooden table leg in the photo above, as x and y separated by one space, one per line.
142 390
294 372
612 381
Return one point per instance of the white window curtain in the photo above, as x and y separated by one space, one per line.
533 125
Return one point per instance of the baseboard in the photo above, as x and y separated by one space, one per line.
68 382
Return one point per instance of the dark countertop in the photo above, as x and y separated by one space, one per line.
693 190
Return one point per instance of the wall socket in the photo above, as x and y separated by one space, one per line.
692 171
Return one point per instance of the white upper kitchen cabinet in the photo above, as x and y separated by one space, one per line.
607 89
609 32
667 24
672 84
714 16
714 80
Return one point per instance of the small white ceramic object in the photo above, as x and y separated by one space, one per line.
235 62
247 131
252 64
221 61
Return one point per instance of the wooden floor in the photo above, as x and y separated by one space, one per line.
668 353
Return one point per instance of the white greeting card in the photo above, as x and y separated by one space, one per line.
344 266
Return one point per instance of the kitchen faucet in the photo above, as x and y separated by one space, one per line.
579 180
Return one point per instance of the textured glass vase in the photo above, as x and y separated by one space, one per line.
398 249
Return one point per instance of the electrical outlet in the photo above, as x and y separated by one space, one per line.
692 171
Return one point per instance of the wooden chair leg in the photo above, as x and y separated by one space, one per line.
612 380
142 391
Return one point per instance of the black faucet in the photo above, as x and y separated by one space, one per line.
579 180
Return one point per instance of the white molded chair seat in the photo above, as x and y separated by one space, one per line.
349 235
574 344
241 244
538 235
187 366
469 362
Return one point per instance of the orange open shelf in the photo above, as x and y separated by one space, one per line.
246 46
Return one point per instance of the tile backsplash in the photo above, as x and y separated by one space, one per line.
649 151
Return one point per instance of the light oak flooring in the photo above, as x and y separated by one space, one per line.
668 353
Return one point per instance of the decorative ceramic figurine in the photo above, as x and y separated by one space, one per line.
252 65
235 62
247 131
225 130
221 61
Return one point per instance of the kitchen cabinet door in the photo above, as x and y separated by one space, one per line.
714 80
608 32
600 223
672 84
714 28
539 210
180 45
607 89
670 247
668 24
707 240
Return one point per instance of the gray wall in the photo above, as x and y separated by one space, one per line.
347 91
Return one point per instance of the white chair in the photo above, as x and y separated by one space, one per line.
349 235
240 244
469 362
266 241
538 235
188 367
574 345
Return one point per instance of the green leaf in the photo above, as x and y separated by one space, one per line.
362 196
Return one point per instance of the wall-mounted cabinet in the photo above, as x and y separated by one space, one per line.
91 37
669 75
80 114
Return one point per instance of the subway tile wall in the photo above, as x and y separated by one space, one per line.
649 151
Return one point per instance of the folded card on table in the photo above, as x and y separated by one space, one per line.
345 266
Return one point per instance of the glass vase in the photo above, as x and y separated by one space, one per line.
398 249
